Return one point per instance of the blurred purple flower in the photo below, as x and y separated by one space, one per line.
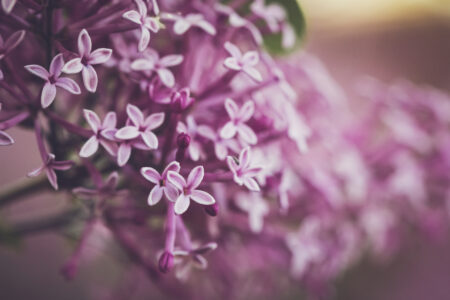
245 63
49 167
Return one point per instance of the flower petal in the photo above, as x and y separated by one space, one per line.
135 114
84 43
36 172
250 58
206 26
14 40
73 66
90 147
233 50
195 177
176 179
38 71
127 133
133 16
144 39
246 111
123 154
171 192
251 184
245 157
69 85
57 65
247 134
228 131
100 56
181 204
142 7
253 73
5 139
48 94
181 26
154 121
231 108
173 166
8 5
166 77
171 60
110 120
92 119
221 151
51 175
142 64
90 78
232 63
202 197
155 195
109 146
232 164
150 139
151 175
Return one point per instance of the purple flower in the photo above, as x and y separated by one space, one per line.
8 5
53 80
106 189
243 171
221 146
147 23
236 125
188 189
139 129
162 185
5 139
152 62
181 100
184 23
86 60
186 260
49 167
99 129
273 14
245 63
256 208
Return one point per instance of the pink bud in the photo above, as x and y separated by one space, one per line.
165 263
212 210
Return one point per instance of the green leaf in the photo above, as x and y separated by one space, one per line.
272 42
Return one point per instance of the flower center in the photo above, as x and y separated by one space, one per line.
84 61
52 79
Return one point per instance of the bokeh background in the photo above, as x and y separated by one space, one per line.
386 39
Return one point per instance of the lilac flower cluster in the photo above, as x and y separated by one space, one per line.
195 126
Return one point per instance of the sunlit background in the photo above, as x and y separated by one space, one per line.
387 39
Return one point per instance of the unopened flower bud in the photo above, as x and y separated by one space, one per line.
165 263
183 140
212 210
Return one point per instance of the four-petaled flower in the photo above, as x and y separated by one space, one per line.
49 167
137 130
245 63
86 60
238 117
184 23
185 260
152 62
256 208
53 80
221 145
188 189
273 13
244 172
106 189
162 185
99 129
146 23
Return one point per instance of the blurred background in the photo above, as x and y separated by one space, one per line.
386 39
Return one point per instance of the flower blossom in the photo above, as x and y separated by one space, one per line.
162 185
137 133
243 172
184 23
49 167
53 80
147 23
186 260
245 63
152 62
238 117
99 128
256 208
221 145
106 189
188 189
86 60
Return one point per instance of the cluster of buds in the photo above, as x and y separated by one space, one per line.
196 126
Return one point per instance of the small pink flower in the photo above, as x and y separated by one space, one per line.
221 146
184 23
256 208
86 60
162 185
106 189
185 261
53 80
49 167
147 23
188 189
245 63
137 133
99 128
152 62
236 125
244 172
273 14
